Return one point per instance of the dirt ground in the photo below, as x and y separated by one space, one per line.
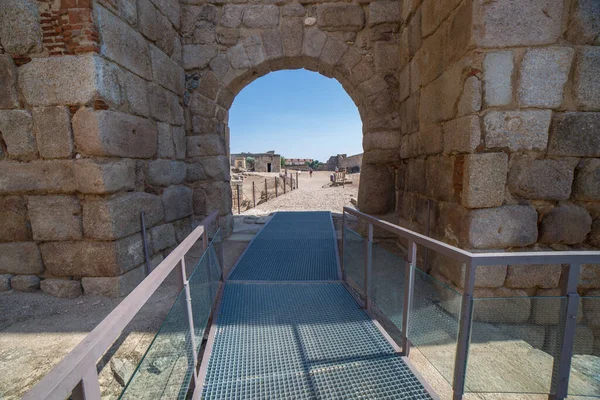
313 194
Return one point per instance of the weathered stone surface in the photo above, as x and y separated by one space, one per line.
427 141
135 93
100 177
53 134
591 308
594 237
470 99
53 176
438 175
214 196
25 283
508 23
484 178
20 258
16 128
177 202
148 17
61 288
55 217
381 140
384 12
517 130
587 78
118 286
205 145
293 10
544 179
8 82
90 258
497 77
584 24
69 80
117 217
567 223
314 41
439 98
386 57
544 72
377 198
165 106
171 141
485 276
462 135
500 227
198 55
512 311
123 44
340 17
587 181
232 15
166 172
112 133
170 9
261 16
292 36
163 237
430 58
527 276
20 27
415 176
5 282
216 168
575 134
238 58
166 72
13 214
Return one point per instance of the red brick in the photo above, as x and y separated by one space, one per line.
64 4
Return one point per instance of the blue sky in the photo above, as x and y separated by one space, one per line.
297 113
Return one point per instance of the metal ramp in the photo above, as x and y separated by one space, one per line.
299 333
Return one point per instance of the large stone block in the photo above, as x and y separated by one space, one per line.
148 17
470 99
384 12
8 82
584 25
517 130
20 27
484 178
205 145
166 72
340 17
135 93
438 99
512 306
211 197
25 283
381 140
497 77
544 179
163 237
65 288
166 172
118 286
518 23
575 134
54 176
462 135
92 259
545 276
485 276
55 217
177 202
216 168
123 44
5 282
377 193
416 180
314 41
197 56
119 216
232 15
261 16
171 141
69 80
53 132
13 214
501 227
170 9
439 177
587 78
16 128
544 72
100 177
112 133
20 258
567 223
165 106
291 36
430 58
587 181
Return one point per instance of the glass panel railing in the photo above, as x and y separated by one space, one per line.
354 259
388 277
433 322
511 348
167 367
584 379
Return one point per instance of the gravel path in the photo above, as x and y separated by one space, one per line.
313 194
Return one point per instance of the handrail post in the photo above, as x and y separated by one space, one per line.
297 180
562 365
275 187
266 191
188 301
368 266
409 287
284 183
464 332
238 198
342 246
253 194
89 387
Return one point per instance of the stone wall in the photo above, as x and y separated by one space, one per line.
352 163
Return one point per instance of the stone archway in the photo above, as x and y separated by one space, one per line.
354 44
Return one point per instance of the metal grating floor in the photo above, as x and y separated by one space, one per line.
293 246
301 341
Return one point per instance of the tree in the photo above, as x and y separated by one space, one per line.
282 162
313 164
250 163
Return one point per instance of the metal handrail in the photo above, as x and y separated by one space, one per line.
574 259
76 373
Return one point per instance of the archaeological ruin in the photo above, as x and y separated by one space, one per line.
260 162
481 125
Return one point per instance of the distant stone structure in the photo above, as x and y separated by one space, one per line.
263 162
294 162
352 164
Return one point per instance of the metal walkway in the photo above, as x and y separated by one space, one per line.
282 338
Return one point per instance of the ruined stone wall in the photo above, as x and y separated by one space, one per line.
352 163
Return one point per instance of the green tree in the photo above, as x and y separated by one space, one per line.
313 164
282 162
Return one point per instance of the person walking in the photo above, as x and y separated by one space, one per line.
310 172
